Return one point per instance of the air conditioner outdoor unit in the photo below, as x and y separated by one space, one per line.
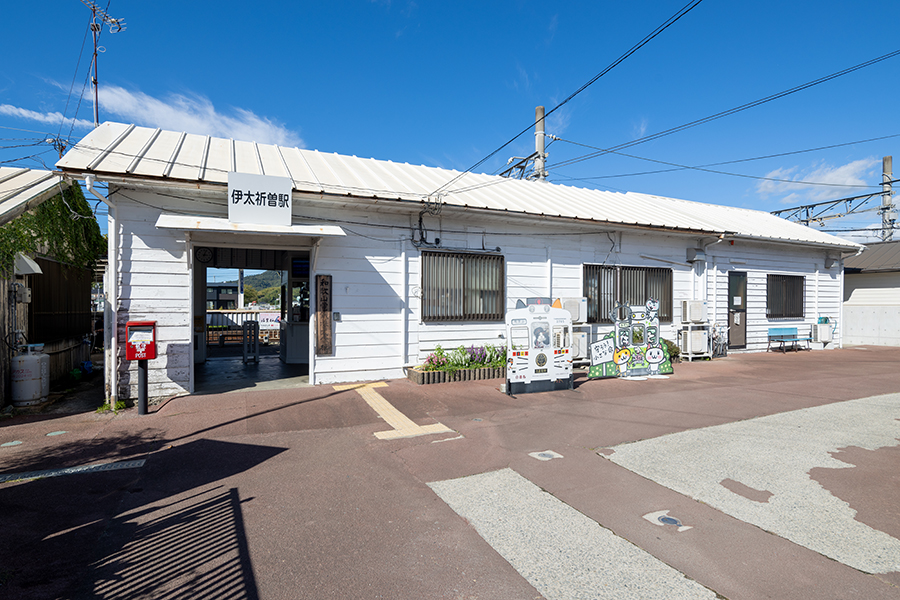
579 345
577 307
693 311
822 332
695 342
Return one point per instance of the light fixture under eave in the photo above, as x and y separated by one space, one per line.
26 266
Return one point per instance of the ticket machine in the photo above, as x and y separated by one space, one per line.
539 349
295 308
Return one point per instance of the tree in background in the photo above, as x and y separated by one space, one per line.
63 228
270 295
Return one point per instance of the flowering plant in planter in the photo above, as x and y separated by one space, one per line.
461 364
473 357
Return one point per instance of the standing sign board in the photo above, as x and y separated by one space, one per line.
634 349
539 349
259 199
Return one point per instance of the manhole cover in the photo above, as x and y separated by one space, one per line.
670 521
545 455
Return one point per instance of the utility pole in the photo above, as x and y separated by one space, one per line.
538 158
540 155
115 26
888 216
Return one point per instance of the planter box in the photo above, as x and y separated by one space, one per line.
426 377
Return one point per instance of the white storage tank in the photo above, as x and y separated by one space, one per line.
30 376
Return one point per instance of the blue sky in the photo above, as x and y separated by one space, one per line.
446 84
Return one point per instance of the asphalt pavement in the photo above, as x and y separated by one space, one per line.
762 475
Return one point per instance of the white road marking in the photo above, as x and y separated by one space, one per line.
776 453
561 552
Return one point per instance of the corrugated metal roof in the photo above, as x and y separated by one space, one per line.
23 189
880 256
120 150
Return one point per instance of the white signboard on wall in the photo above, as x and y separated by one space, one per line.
269 321
261 199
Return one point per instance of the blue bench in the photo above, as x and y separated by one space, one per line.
787 338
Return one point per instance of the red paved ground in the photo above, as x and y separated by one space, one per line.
288 494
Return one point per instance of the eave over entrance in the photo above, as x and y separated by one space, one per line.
220 225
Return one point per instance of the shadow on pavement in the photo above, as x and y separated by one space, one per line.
135 532
113 447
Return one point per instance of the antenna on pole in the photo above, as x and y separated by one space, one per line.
115 26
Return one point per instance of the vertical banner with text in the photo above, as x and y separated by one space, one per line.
324 331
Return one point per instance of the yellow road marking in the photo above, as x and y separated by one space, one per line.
402 425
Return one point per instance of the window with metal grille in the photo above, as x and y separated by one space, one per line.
784 296
604 286
463 286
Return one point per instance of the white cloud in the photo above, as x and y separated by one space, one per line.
640 129
193 114
177 112
842 180
51 118
558 122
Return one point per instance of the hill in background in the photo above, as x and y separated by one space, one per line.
263 280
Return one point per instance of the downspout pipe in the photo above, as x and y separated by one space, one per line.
711 244
111 314
706 247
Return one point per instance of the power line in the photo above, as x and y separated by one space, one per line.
72 86
680 167
875 229
670 21
731 111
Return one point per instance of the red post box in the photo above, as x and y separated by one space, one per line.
140 340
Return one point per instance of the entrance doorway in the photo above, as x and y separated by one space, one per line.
269 294
737 310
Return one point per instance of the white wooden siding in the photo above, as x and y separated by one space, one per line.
761 260
154 285
376 279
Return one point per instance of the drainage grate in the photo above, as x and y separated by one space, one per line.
127 464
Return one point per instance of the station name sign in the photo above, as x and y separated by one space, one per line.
260 199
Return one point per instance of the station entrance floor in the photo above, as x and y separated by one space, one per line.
225 371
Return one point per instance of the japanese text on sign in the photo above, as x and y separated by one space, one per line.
261 199
324 332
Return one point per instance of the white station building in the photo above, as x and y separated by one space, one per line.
398 259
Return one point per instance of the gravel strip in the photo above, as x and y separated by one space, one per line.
561 552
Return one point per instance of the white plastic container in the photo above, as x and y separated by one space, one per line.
30 377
